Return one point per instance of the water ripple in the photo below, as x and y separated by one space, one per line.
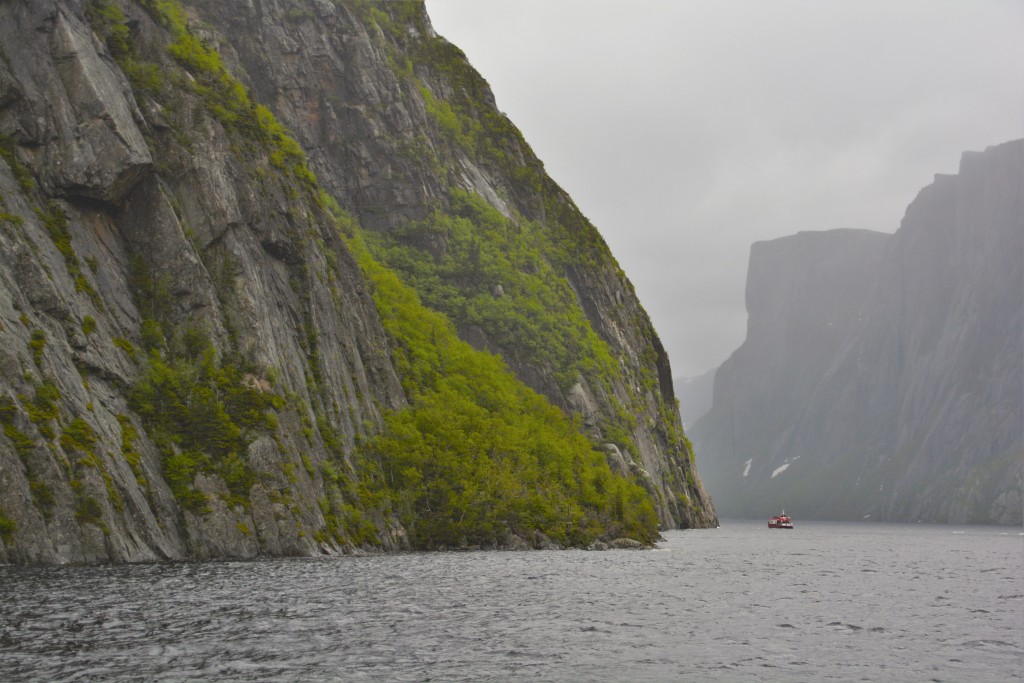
826 602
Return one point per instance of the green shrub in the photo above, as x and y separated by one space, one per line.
225 96
21 172
206 414
36 345
462 130
8 409
42 408
129 435
126 346
89 511
109 21
56 223
42 494
7 527
145 77
78 436
181 469
11 218
23 445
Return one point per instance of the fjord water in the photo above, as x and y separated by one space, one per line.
827 601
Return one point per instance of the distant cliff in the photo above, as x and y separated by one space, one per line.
695 396
881 376
278 278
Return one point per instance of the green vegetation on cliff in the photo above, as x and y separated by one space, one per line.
475 456
206 356
478 454
202 409
514 283
202 413
485 271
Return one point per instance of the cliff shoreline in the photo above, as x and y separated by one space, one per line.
238 244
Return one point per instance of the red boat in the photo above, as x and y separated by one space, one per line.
782 521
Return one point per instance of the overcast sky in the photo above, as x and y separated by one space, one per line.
687 130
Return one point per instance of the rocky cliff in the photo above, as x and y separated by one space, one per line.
239 240
881 376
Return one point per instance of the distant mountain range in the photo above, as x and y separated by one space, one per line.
881 377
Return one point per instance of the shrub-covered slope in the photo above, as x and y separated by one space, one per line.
225 338
400 127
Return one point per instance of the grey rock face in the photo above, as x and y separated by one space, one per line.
127 190
79 110
372 141
82 209
881 377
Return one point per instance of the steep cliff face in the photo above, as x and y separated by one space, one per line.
195 363
399 127
882 375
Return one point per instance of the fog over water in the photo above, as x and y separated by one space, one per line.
688 130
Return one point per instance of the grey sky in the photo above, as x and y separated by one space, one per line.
686 130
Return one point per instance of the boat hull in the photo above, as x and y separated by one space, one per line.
782 521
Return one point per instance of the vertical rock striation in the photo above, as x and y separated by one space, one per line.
393 119
192 360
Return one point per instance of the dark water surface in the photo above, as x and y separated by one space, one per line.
823 602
